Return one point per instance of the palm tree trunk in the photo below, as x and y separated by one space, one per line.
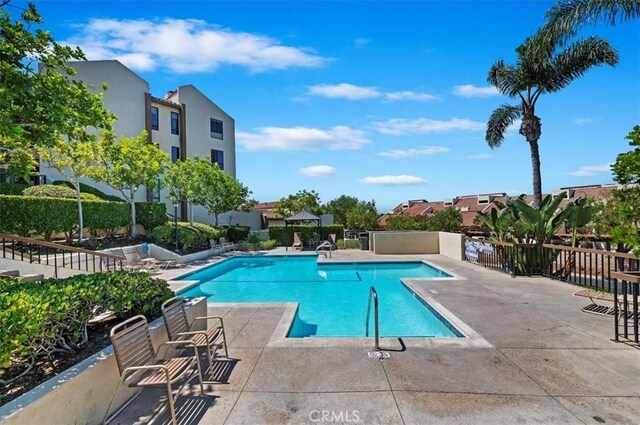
537 178
531 129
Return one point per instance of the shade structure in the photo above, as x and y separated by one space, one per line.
302 217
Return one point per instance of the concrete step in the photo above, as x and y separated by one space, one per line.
31 277
9 273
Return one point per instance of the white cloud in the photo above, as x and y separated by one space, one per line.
361 42
515 126
591 170
469 90
581 120
480 156
410 95
344 90
353 92
424 150
387 180
186 45
302 139
402 126
318 171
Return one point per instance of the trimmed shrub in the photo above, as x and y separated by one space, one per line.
307 231
41 318
12 188
27 215
106 216
51 191
189 237
237 233
85 188
151 214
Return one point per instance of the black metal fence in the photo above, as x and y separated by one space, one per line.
56 255
613 272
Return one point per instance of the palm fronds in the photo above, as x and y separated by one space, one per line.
499 122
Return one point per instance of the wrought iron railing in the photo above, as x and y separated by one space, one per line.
58 256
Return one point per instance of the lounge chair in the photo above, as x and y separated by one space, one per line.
227 246
297 241
146 257
140 366
179 329
215 247
136 263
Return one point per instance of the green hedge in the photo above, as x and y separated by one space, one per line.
237 233
85 188
52 191
12 188
151 214
189 237
41 318
348 244
286 239
31 216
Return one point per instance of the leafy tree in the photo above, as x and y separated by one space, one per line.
626 170
37 107
541 67
567 16
304 200
73 161
363 216
221 193
340 207
447 220
185 181
128 164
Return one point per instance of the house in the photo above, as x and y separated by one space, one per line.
471 205
183 123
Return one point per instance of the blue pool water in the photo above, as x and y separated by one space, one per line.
333 297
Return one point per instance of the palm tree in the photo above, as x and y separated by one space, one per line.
567 16
540 68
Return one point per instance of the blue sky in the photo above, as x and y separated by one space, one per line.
384 101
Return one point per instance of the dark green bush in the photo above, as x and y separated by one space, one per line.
106 216
85 188
52 191
237 233
268 245
12 188
307 231
151 214
189 237
26 215
41 318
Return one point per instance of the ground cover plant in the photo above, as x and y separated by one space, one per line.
43 323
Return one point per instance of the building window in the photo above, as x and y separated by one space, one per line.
175 153
217 157
154 118
175 123
216 129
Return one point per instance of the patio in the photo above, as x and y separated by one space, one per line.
549 363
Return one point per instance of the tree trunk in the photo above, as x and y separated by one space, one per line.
134 228
216 216
190 214
532 130
80 219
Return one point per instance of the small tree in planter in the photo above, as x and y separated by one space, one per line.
185 181
128 164
221 193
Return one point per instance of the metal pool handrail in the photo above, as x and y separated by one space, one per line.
373 294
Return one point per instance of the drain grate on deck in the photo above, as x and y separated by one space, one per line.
379 355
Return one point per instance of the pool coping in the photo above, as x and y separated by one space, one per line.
279 339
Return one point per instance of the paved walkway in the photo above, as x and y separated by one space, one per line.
549 363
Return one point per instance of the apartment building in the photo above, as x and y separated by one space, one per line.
184 123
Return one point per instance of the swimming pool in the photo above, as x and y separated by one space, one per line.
332 297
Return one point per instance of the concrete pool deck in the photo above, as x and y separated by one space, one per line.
547 362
